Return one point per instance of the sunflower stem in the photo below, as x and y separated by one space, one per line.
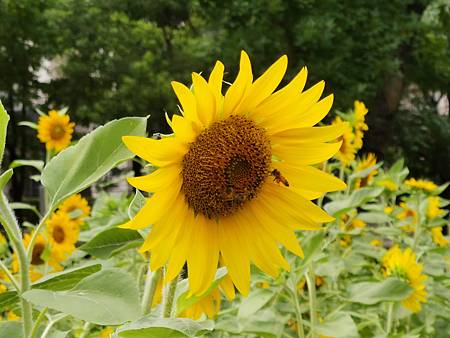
86 329
151 282
169 296
14 233
389 318
9 275
310 281
298 314
38 322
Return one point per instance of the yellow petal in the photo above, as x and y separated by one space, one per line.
157 180
158 152
206 103
308 153
264 86
227 286
237 90
298 136
234 250
187 100
316 113
215 82
183 129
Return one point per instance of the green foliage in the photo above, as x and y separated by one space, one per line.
93 156
369 293
4 119
108 297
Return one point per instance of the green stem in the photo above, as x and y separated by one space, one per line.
38 322
310 281
151 282
298 314
10 276
12 229
389 318
169 296
86 329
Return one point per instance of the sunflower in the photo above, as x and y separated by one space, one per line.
55 130
106 332
208 305
347 150
388 184
421 184
408 215
433 208
403 264
376 242
360 112
366 162
76 203
438 237
236 178
63 234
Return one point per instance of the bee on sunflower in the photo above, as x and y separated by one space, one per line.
55 130
214 192
403 264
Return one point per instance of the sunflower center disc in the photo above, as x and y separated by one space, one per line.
38 249
58 234
225 166
57 132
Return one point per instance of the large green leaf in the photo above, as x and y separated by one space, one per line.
356 199
39 165
254 302
63 280
108 297
10 329
109 241
4 119
165 328
391 289
77 167
339 325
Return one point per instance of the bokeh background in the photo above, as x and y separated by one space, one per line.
105 59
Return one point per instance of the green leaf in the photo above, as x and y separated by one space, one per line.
265 323
374 217
107 242
39 165
63 280
4 178
339 325
356 199
28 124
365 172
4 119
78 166
136 204
389 290
9 329
254 302
165 328
108 297
24 206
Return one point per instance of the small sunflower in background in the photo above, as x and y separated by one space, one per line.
360 112
239 172
55 130
76 203
62 232
369 160
403 265
421 184
409 216
438 237
347 150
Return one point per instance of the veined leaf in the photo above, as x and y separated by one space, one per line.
80 165
39 165
339 325
389 290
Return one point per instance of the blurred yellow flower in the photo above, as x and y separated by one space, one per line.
388 184
62 233
106 332
55 130
345 241
403 264
360 112
233 163
433 209
11 316
438 237
407 214
421 184
347 151
76 203
366 162
376 242
388 210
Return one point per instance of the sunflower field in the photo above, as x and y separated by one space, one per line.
257 216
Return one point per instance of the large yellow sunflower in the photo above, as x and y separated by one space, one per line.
55 130
236 177
403 264
347 150
63 233
366 162
76 203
